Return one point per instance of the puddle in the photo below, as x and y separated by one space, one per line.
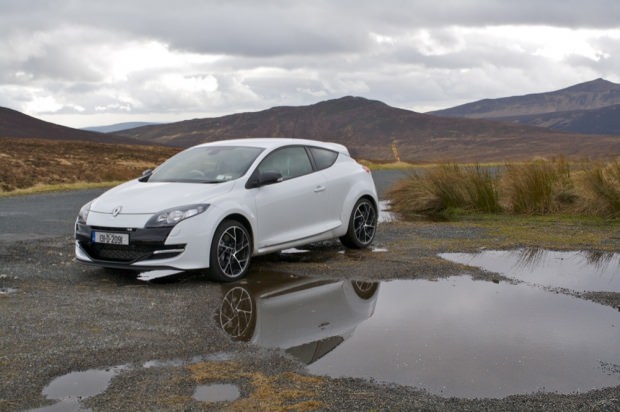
294 251
378 249
462 338
385 214
74 387
70 389
4 289
452 337
578 271
307 317
216 393
157 274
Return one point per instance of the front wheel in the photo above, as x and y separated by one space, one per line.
231 251
362 225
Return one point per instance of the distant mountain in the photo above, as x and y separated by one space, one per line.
590 95
19 125
605 120
370 129
118 127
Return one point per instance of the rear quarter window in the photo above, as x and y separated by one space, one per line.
323 158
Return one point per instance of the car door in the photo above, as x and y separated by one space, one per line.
291 209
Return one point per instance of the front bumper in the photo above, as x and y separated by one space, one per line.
146 248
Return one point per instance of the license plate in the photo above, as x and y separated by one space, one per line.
110 238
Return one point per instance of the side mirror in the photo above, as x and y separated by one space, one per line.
145 175
263 179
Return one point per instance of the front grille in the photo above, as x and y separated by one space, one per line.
120 253
143 242
130 253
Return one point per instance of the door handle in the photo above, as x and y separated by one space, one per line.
319 188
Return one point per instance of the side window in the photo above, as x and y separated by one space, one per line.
290 162
323 158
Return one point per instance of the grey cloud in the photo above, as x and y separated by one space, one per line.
270 28
60 62
320 49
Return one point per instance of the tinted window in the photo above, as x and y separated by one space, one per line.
323 158
207 164
290 162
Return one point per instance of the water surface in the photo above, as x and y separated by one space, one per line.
465 338
579 271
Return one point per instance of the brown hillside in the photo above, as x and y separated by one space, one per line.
28 162
605 120
19 125
369 128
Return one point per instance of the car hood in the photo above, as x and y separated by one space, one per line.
137 197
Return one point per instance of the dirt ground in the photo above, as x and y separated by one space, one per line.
160 340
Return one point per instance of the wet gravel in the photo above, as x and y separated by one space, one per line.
63 317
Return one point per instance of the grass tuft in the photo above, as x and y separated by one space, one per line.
602 183
538 187
435 191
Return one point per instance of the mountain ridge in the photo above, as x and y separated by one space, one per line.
117 127
371 129
374 130
15 124
594 94
604 120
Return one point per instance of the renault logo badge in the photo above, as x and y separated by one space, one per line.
116 211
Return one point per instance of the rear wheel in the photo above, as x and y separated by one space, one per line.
362 225
231 251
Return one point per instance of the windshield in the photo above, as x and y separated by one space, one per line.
208 164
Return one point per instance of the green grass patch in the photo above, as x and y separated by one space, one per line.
387 166
472 232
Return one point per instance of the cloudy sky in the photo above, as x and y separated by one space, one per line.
88 62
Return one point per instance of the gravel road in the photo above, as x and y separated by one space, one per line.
158 341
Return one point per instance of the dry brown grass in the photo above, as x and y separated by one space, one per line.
602 185
449 186
538 187
26 163
281 392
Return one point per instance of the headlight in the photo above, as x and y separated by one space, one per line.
83 215
171 217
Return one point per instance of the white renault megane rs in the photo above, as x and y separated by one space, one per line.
218 204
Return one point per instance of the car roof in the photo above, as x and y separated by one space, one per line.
273 142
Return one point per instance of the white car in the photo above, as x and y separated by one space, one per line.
218 204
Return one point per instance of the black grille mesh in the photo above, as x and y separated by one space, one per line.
123 253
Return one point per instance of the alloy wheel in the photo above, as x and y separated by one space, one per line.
233 251
365 222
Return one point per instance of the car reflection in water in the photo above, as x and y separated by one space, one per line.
307 317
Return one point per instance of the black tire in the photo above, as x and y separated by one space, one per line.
362 225
231 252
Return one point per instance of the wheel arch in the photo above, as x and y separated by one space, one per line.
351 200
245 222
